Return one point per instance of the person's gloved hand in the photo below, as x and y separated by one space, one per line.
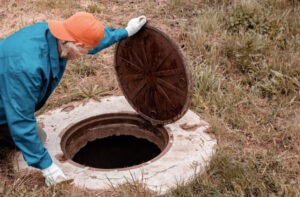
53 175
135 24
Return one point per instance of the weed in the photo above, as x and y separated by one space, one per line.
132 187
207 82
84 67
66 6
183 7
88 91
279 83
229 176
206 79
201 38
247 51
93 9
242 20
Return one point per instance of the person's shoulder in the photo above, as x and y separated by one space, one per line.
27 48
36 29
37 25
43 26
30 39
30 35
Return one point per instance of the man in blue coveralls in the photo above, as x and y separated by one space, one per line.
32 62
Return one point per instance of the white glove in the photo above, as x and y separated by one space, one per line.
135 24
53 175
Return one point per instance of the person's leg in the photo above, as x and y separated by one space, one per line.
6 137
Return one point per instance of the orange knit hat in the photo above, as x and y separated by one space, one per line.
81 27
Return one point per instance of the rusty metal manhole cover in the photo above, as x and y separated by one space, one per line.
153 75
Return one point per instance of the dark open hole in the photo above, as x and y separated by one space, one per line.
117 140
116 152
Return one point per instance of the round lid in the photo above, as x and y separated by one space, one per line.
153 75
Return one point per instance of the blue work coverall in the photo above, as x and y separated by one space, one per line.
30 69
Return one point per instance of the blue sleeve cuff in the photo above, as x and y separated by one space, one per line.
45 162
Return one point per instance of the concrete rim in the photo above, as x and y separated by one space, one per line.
190 151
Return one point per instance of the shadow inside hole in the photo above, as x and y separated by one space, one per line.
116 152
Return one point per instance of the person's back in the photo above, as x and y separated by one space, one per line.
28 42
24 54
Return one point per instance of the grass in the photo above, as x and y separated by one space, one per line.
246 83
93 9
244 56
235 176
65 7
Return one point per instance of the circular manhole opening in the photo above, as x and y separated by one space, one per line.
113 141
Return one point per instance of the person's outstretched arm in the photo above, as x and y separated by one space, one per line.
115 35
